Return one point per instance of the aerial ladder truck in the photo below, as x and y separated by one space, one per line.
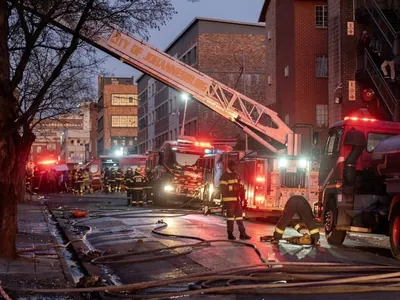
359 186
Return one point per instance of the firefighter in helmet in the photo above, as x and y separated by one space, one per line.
149 186
128 177
118 179
230 190
111 180
137 187
106 178
78 182
87 181
297 205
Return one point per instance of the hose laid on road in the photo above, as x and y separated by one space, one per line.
270 271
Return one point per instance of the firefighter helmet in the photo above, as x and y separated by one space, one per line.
147 170
138 170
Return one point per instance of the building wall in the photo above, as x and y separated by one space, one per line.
107 111
238 61
270 49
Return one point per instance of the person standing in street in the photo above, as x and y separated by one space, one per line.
118 180
388 57
106 178
128 177
149 186
230 189
137 187
111 180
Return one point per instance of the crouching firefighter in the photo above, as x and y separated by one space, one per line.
128 184
230 190
149 186
299 205
137 187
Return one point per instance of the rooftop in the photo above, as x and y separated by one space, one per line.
196 20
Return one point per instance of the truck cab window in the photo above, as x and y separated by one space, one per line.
333 142
375 138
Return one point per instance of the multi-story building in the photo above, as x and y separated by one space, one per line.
117 120
297 63
231 52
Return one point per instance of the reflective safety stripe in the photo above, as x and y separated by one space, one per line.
278 230
137 189
230 219
232 181
223 182
297 227
239 218
227 199
314 231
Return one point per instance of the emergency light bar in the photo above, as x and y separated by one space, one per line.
359 119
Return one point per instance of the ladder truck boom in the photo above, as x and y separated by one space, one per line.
250 115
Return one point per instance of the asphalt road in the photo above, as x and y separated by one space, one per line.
117 229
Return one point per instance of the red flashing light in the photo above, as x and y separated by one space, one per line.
202 144
260 199
360 119
260 179
47 162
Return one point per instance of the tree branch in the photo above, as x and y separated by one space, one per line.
57 70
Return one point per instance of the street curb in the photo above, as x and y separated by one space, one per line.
66 270
90 269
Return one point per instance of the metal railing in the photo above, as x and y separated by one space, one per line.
380 20
382 87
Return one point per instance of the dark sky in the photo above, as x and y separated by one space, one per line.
236 10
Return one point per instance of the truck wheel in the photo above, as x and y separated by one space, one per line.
395 233
333 236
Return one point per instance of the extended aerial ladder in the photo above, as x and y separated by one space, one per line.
251 116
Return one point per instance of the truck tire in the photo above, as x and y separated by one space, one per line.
333 236
395 232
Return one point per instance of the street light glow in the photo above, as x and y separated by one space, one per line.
185 96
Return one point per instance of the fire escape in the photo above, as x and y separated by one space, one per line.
385 25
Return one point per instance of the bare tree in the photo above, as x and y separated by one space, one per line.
45 71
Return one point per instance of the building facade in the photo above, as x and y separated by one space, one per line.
117 119
297 63
232 53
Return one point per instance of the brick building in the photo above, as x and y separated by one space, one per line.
117 121
231 52
297 63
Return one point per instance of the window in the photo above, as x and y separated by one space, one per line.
124 99
333 142
321 16
269 34
38 149
124 121
321 66
375 138
322 115
100 124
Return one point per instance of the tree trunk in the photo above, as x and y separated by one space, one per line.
13 157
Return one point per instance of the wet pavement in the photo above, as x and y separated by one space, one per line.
115 229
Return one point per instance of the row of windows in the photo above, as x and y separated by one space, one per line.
190 57
124 99
123 141
124 121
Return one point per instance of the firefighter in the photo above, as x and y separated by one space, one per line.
137 187
299 205
149 186
71 182
128 177
106 177
87 181
111 180
118 180
230 190
78 182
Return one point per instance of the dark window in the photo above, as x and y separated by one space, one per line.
321 66
333 142
321 16
375 138
100 124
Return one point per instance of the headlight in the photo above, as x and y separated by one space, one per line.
169 188
283 163
302 163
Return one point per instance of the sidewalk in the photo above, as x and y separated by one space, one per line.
42 269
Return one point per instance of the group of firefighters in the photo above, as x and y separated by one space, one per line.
137 186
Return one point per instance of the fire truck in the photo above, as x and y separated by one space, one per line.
360 180
96 166
359 189
177 169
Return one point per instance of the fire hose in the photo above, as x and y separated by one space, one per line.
258 274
